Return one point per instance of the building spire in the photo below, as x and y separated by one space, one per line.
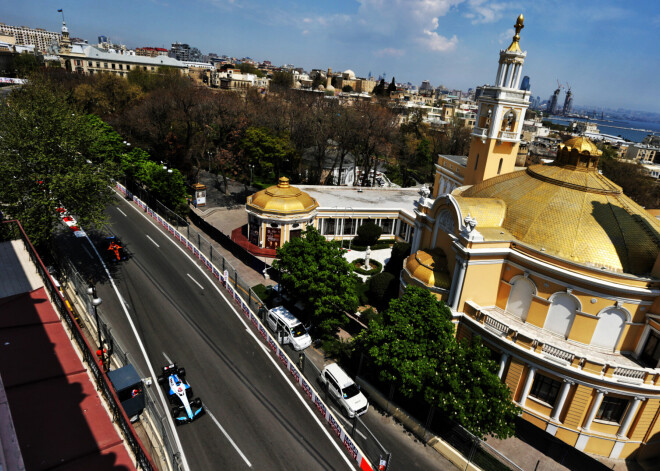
519 26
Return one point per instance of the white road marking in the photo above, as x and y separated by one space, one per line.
122 212
179 447
195 281
167 358
153 241
241 318
238 450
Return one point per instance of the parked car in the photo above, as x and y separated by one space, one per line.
288 328
342 389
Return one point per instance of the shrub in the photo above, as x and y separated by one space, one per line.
364 271
382 288
368 233
400 251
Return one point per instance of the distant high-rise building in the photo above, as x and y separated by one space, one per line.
554 102
568 102
525 83
183 52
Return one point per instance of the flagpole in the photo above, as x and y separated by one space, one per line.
62 12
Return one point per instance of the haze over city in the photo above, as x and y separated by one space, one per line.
603 49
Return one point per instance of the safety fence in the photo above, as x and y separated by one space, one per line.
73 280
249 303
12 230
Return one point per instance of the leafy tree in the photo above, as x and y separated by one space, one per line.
347 89
400 252
266 151
281 80
24 64
166 185
317 272
247 68
414 346
106 94
50 155
382 288
368 233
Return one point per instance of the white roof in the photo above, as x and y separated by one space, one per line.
93 52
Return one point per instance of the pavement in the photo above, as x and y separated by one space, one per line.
227 212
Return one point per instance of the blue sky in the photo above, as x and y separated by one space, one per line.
605 49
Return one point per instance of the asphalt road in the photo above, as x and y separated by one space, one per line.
257 417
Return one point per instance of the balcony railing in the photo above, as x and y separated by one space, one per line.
480 132
508 136
496 325
628 375
558 353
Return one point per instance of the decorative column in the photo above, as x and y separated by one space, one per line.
528 385
460 278
503 359
563 394
630 415
600 394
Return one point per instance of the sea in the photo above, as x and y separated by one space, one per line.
634 131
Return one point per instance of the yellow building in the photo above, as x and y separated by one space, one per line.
557 270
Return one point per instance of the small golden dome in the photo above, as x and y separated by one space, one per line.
581 144
429 268
282 199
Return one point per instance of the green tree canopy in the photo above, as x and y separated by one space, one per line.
391 87
414 346
317 272
50 155
281 80
266 151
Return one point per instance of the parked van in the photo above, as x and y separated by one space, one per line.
343 389
288 328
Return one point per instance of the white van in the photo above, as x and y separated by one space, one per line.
343 389
288 328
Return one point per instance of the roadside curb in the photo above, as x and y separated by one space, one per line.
413 425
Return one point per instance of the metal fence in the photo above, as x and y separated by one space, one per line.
74 280
15 231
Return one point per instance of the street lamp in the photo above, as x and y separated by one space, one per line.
96 301
251 167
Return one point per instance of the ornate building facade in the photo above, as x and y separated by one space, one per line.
556 270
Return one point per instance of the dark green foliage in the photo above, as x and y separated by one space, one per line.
365 270
414 346
379 90
636 184
368 234
50 155
246 68
382 288
392 86
315 271
400 251
347 89
281 80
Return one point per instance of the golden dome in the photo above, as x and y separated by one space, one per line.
582 145
429 268
577 215
282 199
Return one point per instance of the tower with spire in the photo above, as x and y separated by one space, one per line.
496 136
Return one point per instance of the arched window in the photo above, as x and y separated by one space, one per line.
609 328
499 168
509 120
520 298
561 313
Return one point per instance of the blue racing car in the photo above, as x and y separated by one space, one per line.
185 408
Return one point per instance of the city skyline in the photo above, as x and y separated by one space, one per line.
601 48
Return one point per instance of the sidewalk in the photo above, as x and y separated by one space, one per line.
521 452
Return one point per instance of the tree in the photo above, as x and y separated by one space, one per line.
368 233
347 89
414 346
382 288
281 80
391 87
50 155
247 68
379 89
317 272
266 151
